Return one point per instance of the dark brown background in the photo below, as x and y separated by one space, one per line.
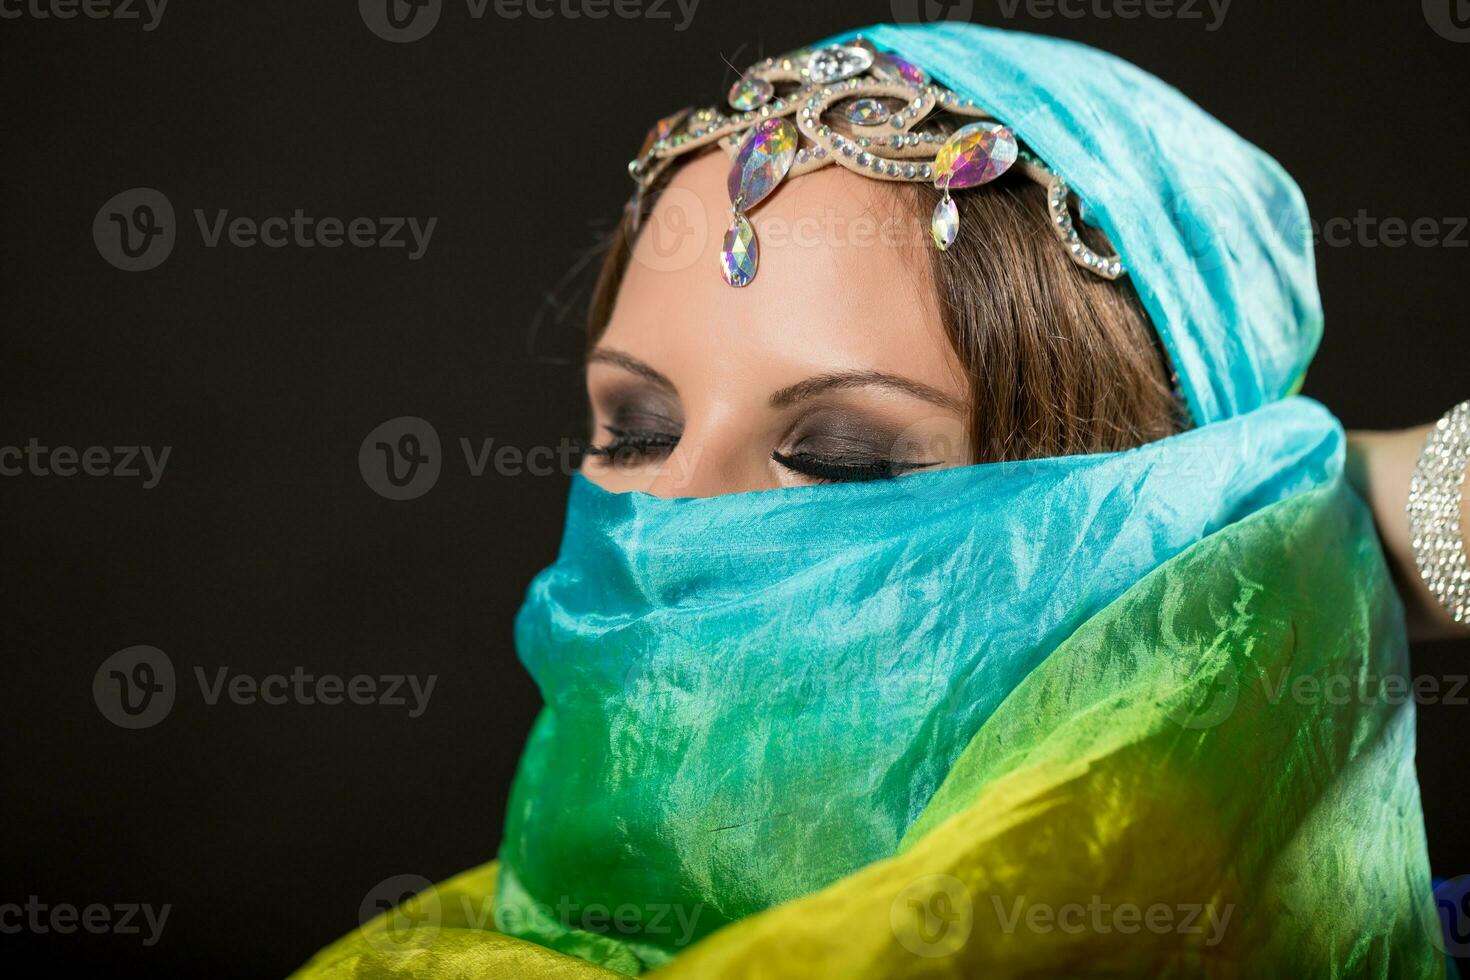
263 549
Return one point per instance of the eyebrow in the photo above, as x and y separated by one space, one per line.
848 380
631 364
792 394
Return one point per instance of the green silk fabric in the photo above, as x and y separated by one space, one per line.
752 695
1212 776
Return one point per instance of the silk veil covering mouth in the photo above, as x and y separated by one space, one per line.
925 727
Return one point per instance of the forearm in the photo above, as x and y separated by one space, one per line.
1381 467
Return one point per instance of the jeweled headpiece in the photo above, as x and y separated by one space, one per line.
893 123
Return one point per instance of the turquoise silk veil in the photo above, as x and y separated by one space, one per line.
777 722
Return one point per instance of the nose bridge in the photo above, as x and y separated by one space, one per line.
714 456
692 469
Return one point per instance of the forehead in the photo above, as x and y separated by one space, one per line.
843 282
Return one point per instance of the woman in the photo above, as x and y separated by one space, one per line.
983 605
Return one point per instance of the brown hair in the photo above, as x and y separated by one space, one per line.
1059 361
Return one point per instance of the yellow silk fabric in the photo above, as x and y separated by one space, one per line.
448 934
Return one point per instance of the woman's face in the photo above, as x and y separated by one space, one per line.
832 366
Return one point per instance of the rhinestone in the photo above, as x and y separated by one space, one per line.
975 154
1435 499
741 252
945 226
662 130
835 63
867 112
765 157
894 68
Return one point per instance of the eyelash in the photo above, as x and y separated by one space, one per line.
832 469
632 445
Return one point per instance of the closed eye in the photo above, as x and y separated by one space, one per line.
629 447
849 469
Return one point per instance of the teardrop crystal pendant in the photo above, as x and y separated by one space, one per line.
741 252
975 154
765 157
946 224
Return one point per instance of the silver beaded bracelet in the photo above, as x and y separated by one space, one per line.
1435 499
